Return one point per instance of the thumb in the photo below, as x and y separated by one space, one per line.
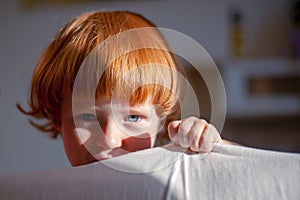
173 129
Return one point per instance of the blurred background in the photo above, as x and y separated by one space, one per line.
255 44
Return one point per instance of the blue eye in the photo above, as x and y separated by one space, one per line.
133 118
88 117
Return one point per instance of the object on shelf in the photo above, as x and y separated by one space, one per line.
295 37
237 34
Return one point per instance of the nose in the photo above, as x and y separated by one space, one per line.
112 135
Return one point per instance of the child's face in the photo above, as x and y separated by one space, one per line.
124 129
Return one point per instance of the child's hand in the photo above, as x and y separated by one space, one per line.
193 133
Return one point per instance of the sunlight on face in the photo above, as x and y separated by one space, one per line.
124 129
83 135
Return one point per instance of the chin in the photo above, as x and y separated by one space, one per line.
82 161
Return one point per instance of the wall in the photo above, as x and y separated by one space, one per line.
25 33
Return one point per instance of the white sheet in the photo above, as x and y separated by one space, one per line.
228 172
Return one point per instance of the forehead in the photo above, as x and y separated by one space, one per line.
103 103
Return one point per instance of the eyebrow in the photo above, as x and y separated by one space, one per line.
139 111
128 109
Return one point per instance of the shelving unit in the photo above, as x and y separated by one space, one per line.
263 103
262 87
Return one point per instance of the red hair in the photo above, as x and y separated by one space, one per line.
60 62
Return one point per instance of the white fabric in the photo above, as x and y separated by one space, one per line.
228 172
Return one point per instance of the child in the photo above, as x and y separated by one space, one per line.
129 120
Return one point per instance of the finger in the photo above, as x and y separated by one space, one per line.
209 137
198 128
216 135
172 130
184 133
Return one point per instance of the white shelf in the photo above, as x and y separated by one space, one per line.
241 102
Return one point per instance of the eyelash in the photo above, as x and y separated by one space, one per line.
129 116
88 117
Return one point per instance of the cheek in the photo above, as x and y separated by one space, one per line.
141 142
74 148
